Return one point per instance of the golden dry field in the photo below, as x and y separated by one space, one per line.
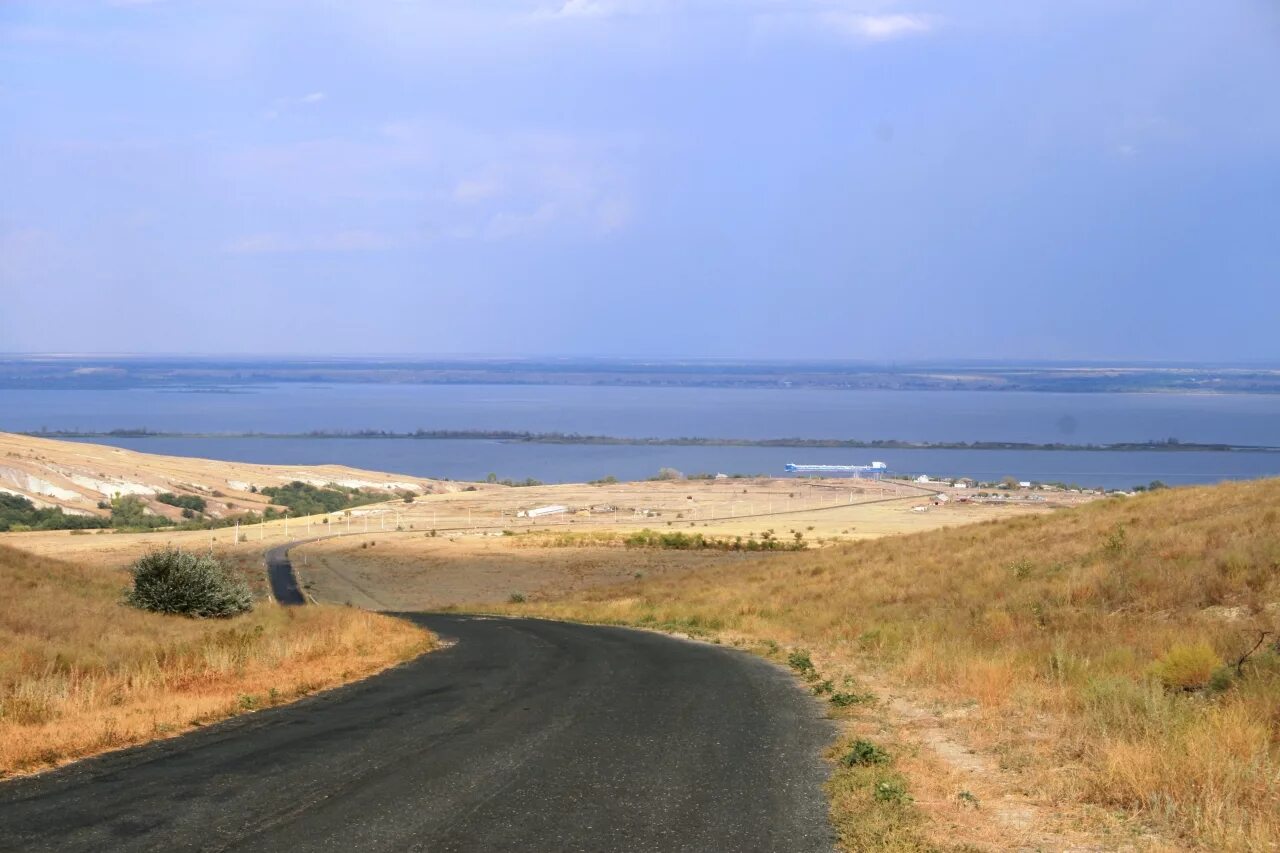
1059 681
483 552
83 673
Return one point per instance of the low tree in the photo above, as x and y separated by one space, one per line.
129 511
174 581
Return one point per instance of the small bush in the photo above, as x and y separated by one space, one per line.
892 791
1116 541
517 598
800 661
844 700
173 581
863 753
1187 666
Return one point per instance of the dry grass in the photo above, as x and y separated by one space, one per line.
81 673
1068 651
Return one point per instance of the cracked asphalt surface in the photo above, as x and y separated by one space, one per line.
522 735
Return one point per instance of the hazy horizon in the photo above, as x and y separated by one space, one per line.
631 358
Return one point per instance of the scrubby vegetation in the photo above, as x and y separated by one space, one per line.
1117 657
129 512
527 482
81 672
671 541
696 541
191 503
18 514
305 499
174 581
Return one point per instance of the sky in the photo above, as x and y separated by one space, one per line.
833 179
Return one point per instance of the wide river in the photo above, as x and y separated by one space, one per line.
671 412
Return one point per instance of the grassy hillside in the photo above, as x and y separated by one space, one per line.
1089 655
82 673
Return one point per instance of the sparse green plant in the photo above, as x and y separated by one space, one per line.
517 598
800 661
892 791
862 753
1116 540
844 700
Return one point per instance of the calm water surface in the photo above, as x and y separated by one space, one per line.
466 459
670 412
664 412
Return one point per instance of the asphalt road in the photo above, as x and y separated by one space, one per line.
524 735
284 583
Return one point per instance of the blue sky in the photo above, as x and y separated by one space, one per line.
854 179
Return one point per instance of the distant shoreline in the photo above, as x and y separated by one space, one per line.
215 375
522 437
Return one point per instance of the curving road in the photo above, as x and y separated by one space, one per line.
280 574
524 735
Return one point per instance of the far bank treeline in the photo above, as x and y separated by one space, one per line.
1165 444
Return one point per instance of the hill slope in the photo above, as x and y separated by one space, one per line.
1029 672
77 476
82 673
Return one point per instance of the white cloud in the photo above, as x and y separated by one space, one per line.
452 182
601 8
879 27
312 98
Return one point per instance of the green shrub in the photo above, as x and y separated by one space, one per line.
800 661
195 503
18 514
1187 666
864 752
305 499
128 512
892 791
173 581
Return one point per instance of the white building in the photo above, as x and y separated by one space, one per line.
553 509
